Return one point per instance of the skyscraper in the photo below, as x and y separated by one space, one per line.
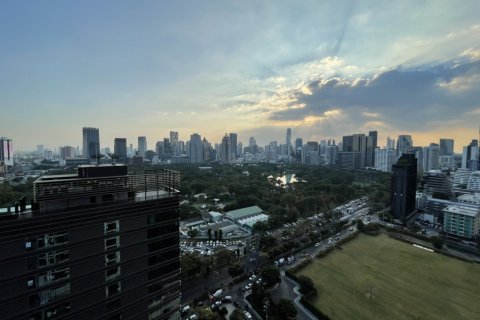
371 147
404 186
142 146
120 150
195 148
174 142
6 151
289 143
226 149
404 143
103 245
233 142
91 143
446 147
67 152
384 159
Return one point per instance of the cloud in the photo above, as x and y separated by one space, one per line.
405 97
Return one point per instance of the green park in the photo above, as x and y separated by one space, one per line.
377 277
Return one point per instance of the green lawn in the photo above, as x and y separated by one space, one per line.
382 278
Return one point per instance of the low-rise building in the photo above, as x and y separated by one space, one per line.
243 213
461 221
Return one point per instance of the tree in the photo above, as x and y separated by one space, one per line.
437 242
360 225
209 234
236 314
207 314
220 234
260 226
215 235
235 270
192 233
223 257
286 309
270 275
306 284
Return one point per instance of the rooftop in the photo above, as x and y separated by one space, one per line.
239 213
463 210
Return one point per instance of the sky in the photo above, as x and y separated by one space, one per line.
323 68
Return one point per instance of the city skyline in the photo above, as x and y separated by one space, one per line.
323 69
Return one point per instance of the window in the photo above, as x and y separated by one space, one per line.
115 304
28 245
53 257
112 273
112 258
111 226
57 311
31 282
113 289
111 243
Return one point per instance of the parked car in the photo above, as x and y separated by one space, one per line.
247 315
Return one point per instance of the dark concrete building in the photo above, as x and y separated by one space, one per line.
120 150
99 244
404 186
91 143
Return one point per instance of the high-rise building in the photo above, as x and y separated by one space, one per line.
6 151
298 150
404 143
372 145
174 142
96 244
331 154
461 221
142 146
120 150
226 149
404 186
289 143
233 142
446 147
431 156
67 152
195 148
40 149
384 159
91 143
240 149
390 143
347 144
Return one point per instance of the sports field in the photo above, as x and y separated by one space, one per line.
376 277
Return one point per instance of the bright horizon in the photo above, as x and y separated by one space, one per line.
323 69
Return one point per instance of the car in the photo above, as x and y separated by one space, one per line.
351 229
193 317
185 309
259 281
218 303
252 277
252 259
317 244
247 315
248 286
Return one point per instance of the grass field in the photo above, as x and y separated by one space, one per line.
382 278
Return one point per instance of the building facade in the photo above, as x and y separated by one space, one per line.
91 143
404 187
98 244
461 221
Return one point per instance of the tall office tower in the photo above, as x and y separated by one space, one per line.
174 142
102 245
240 148
347 144
67 152
404 143
418 152
226 149
289 143
430 157
142 146
331 154
6 151
371 149
390 143
384 159
404 187
168 151
181 147
40 149
195 148
252 142
120 150
298 150
446 147
91 143
233 142
470 157
131 151
271 151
